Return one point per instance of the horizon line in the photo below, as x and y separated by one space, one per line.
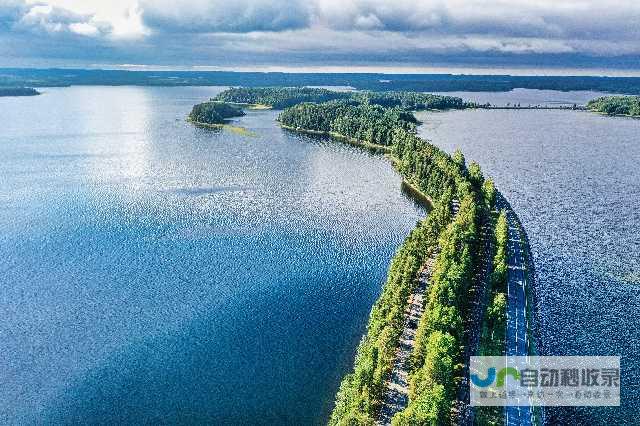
366 69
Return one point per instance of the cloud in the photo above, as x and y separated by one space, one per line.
83 28
477 25
225 16
18 17
10 12
49 19
128 25
45 32
203 32
516 18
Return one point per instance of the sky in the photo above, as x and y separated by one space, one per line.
416 35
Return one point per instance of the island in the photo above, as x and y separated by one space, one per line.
616 105
213 113
18 91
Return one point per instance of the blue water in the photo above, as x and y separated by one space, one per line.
573 178
153 271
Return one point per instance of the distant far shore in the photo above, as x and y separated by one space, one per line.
33 77
18 91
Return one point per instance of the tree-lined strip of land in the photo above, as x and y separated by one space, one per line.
436 352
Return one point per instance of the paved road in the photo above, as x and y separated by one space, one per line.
517 338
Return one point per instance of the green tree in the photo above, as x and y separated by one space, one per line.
475 175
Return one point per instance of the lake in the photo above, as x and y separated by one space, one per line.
573 178
153 271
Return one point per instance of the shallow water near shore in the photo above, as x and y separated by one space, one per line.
573 179
154 271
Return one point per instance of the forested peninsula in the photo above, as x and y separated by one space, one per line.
616 105
453 262
462 199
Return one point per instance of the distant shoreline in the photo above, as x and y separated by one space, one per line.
18 91
434 82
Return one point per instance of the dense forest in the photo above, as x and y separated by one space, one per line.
283 97
616 105
16 77
410 100
371 124
437 355
214 113
278 97
18 91
359 398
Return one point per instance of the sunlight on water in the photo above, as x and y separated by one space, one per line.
151 269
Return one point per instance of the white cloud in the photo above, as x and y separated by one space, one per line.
84 28
368 22
46 18
129 25
124 17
